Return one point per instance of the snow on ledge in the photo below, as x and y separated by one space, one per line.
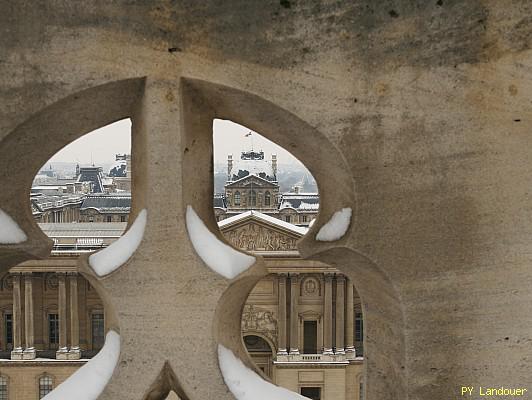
218 256
336 227
10 232
88 382
245 384
109 259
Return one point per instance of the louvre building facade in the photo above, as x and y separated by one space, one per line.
302 329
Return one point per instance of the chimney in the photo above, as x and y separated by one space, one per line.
296 189
274 165
229 166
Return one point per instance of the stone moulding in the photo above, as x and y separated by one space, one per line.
164 283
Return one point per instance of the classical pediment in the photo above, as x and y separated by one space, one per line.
252 180
253 231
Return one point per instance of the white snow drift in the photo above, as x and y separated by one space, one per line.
336 227
10 232
248 385
88 382
107 260
218 256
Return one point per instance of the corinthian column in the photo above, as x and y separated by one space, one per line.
350 318
327 317
74 352
294 318
16 353
340 309
282 315
63 349
29 351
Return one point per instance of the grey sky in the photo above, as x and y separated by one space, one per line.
101 145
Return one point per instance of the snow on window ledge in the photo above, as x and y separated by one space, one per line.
336 227
109 259
218 256
10 232
246 384
88 382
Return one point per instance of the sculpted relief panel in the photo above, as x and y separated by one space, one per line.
256 237
256 319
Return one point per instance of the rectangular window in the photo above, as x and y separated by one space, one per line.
53 328
287 218
359 327
303 218
310 337
8 329
97 329
122 218
109 218
45 386
313 393
3 388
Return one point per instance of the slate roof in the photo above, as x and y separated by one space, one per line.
300 201
105 203
94 175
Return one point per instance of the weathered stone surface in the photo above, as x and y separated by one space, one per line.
418 110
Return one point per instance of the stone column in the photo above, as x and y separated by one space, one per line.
340 310
327 315
74 353
294 317
282 315
63 349
350 320
29 351
16 353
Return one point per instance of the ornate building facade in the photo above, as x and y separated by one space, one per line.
299 323
252 185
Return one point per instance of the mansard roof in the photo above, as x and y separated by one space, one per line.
112 202
256 215
300 201
94 175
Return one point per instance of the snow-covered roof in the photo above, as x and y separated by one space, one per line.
266 218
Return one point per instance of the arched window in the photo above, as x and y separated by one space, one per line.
253 198
3 387
267 199
45 385
237 198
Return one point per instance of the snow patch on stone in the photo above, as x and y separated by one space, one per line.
109 259
10 232
218 256
336 227
248 385
88 382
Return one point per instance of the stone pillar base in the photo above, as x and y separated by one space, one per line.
294 351
29 354
17 353
62 354
328 351
282 352
74 354
350 353
339 351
